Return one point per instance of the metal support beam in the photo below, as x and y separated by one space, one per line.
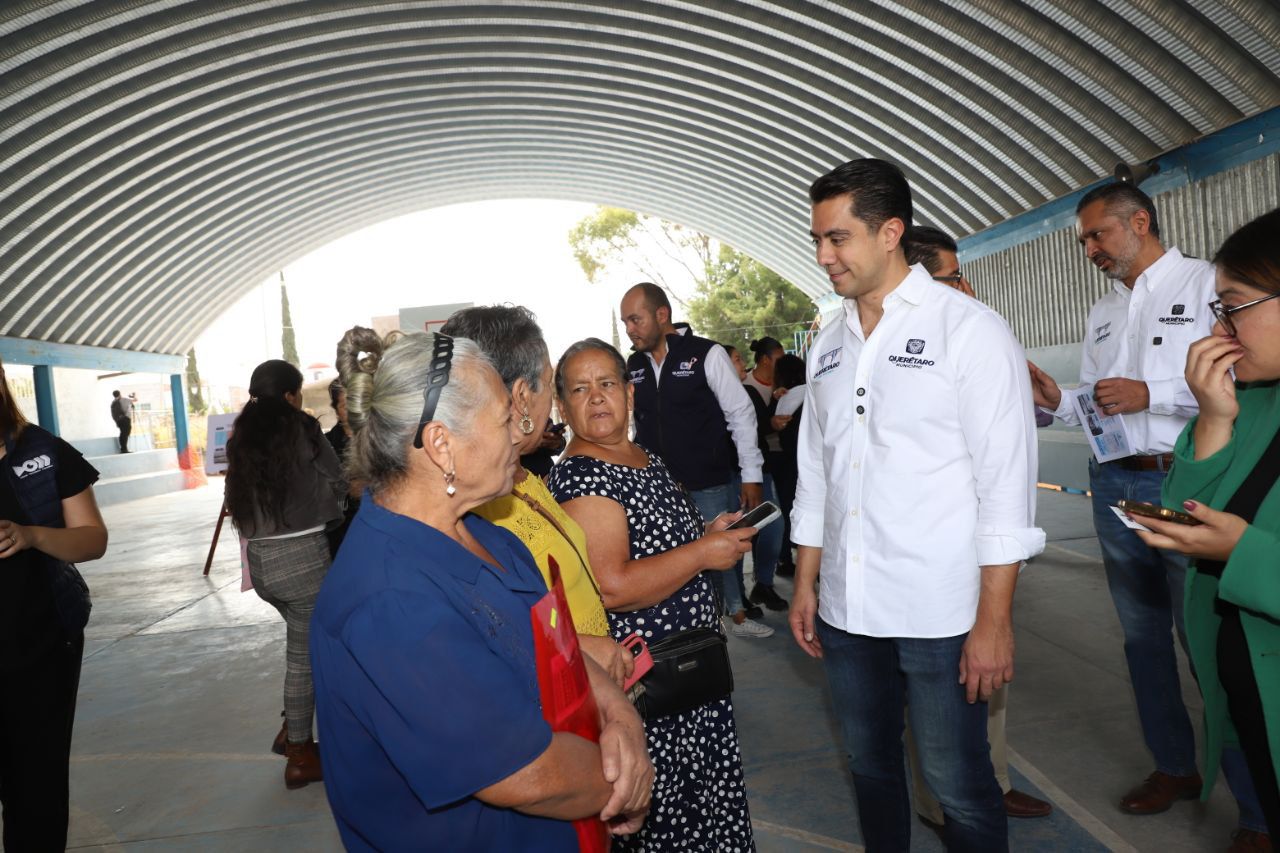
28 351
179 419
46 398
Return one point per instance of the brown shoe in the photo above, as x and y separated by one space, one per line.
1249 841
303 767
1018 804
277 745
1159 791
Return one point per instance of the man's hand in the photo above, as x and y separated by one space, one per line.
1045 392
986 662
1116 396
751 495
779 422
1215 539
804 601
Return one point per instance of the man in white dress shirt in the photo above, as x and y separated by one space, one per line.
1134 355
914 512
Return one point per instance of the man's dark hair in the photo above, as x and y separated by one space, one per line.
115 393
923 244
1122 200
655 297
879 189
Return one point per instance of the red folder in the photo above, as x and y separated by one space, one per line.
567 703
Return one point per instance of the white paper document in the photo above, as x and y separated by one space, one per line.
1106 433
790 401
1126 520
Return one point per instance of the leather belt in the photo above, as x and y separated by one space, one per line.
1155 462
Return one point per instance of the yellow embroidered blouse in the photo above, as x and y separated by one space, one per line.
541 537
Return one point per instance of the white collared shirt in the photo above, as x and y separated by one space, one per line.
917 459
739 414
1144 334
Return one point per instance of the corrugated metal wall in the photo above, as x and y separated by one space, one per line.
1045 287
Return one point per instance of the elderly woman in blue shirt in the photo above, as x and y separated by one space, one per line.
422 645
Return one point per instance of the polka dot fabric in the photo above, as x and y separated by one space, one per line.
699 797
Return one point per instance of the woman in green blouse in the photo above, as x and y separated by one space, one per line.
1225 473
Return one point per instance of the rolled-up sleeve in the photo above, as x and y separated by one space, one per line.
999 429
808 508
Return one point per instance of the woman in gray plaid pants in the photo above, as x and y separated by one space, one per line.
284 489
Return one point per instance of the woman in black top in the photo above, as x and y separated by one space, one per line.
48 519
339 436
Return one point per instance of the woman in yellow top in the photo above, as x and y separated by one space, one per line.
510 337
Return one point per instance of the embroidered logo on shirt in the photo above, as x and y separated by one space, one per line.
1101 333
828 362
1176 316
637 376
915 346
32 465
686 368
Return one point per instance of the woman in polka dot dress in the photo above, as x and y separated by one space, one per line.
649 548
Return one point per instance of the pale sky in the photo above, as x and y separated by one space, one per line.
484 253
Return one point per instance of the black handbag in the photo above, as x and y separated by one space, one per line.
689 669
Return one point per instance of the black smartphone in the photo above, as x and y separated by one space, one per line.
764 513
1147 510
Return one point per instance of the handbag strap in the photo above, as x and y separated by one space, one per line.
586 566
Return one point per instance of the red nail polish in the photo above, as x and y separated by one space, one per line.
1189 505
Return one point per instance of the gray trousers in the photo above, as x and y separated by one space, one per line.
287 574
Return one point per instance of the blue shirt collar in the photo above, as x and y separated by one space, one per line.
517 570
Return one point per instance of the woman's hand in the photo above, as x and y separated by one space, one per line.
624 758
1215 539
779 422
722 549
611 657
1208 375
13 538
722 521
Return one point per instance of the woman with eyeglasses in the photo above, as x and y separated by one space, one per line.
1225 475
426 678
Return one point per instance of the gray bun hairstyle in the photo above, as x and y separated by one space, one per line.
384 379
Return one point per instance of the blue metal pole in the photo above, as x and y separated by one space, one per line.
179 418
46 398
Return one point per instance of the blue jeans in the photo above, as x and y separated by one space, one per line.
871 679
1147 589
766 548
711 502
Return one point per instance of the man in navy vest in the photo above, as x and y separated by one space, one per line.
688 401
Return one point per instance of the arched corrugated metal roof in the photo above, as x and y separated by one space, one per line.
153 154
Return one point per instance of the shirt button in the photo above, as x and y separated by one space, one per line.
861 419
853 559
862 391
853 513
862 410
857 464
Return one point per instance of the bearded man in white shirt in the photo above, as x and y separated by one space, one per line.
914 512
1134 355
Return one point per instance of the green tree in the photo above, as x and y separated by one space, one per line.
288 343
745 300
734 297
195 395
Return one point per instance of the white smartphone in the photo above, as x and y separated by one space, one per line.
764 513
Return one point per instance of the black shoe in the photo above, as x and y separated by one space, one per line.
785 570
764 594
753 612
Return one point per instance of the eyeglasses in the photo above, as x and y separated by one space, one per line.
1223 314
949 279
437 378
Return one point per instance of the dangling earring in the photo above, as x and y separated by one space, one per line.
448 480
526 424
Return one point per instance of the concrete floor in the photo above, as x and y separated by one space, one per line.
180 697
